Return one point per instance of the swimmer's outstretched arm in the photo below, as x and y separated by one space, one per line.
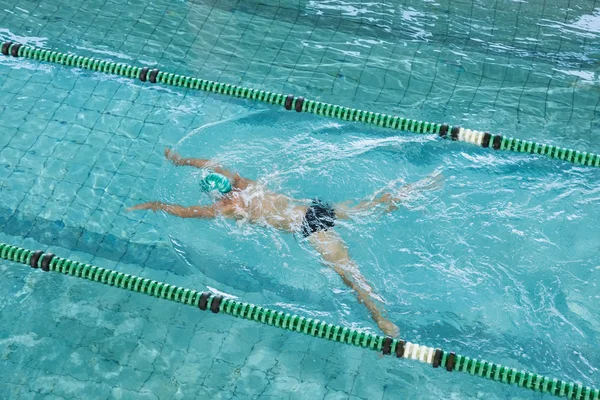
192 162
176 159
174 209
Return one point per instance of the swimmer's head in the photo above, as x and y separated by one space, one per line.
215 182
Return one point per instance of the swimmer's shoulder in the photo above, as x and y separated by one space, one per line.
242 183
228 206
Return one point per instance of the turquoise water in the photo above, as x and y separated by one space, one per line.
500 263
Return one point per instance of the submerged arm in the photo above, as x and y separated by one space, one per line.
175 209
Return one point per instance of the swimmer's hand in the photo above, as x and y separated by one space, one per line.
177 160
173 157
151 205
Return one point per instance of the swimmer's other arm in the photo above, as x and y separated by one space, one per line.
176 159
192 162
174 209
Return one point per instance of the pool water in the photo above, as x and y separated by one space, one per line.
500 263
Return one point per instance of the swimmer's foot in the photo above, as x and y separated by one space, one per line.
390 200
388 327
433 181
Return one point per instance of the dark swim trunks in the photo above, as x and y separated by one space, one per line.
320 216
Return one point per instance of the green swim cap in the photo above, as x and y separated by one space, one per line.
214 181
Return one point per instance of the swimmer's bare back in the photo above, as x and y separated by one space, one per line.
250 202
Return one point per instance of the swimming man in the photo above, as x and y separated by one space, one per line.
241 198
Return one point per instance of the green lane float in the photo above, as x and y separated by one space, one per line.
301 104
218 304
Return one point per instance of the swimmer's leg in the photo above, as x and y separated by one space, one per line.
390 200
335 255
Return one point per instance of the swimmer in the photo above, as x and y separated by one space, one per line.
238 198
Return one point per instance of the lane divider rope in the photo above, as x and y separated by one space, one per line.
218 304
301 104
